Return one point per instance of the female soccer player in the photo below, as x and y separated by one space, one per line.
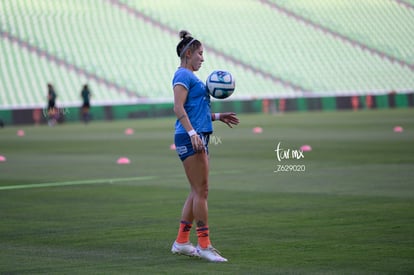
192 130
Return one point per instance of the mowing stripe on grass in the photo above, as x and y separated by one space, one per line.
95 181
79 182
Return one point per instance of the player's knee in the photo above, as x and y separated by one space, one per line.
201 190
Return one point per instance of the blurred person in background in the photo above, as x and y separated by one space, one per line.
86 105
52 112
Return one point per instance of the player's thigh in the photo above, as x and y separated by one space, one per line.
196 168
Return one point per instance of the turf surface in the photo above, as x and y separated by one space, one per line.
67 207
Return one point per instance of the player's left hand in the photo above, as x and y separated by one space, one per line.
229 118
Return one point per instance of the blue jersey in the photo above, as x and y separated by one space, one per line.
197 104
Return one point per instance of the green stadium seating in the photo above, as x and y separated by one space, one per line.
125 49
383 25
285 47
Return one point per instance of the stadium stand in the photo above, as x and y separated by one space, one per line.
407 3
125 49
381 25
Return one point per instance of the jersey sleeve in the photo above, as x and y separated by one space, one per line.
182 78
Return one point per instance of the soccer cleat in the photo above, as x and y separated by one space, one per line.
186 249
210 254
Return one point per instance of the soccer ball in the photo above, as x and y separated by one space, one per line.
220 84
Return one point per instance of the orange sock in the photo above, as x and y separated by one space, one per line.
203 238
184 232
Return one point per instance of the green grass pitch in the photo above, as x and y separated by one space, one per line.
66 207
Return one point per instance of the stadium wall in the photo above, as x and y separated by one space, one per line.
137 111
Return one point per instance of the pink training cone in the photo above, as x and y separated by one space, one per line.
306 148
398 129
2 158
123 160
129 131
20 133
257 130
